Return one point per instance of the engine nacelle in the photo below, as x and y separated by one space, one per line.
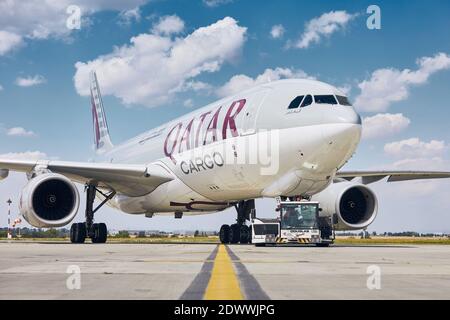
49 200
355 205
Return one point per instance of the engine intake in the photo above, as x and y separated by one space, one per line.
49 200
355 205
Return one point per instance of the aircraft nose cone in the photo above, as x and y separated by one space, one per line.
349 116
342 115
341 140
343 130
343 133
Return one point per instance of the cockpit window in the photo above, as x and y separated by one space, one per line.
296 102
325 99
307 101
343 100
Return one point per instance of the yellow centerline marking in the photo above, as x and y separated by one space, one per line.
223 284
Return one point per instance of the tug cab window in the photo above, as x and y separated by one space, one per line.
343 100
296 102
325 99
307 101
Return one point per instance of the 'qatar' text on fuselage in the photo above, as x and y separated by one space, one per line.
179 137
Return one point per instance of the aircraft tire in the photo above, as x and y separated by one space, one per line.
244 234
78 233
224 234
235 233
100 233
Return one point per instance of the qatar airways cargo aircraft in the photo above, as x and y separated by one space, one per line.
286 138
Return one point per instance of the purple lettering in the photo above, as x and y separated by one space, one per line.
185 137
202 119
229 120
212 127
166 152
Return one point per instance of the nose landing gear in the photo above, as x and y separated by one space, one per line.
239 232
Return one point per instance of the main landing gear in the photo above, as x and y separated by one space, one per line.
239 232
96 231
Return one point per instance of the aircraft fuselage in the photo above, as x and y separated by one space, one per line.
246 146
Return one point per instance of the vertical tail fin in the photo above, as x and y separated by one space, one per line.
102 140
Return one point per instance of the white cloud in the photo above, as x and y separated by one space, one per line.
9 41
415 148
20 132
389 85
421 163
414 154
241 82
422 188
411 198
216 3
153 67
188 103
30 81
325 25
27 155
168 25
277 31
194 86
36 19
126 17
1 87
345 89
384 124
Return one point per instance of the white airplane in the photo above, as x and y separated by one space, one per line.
286 138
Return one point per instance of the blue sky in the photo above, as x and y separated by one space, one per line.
398 77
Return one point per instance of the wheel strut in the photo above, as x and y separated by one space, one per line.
245 210
91 191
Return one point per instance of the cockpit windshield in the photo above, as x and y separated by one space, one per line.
343 100
295 103
303 101
325 99
307 101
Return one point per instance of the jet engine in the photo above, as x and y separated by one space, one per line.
355 205
49 200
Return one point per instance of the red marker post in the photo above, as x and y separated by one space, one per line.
9 218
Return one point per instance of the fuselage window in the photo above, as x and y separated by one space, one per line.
296 102
307 101
343 100
325 99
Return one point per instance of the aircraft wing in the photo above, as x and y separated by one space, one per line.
373 176
128 179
